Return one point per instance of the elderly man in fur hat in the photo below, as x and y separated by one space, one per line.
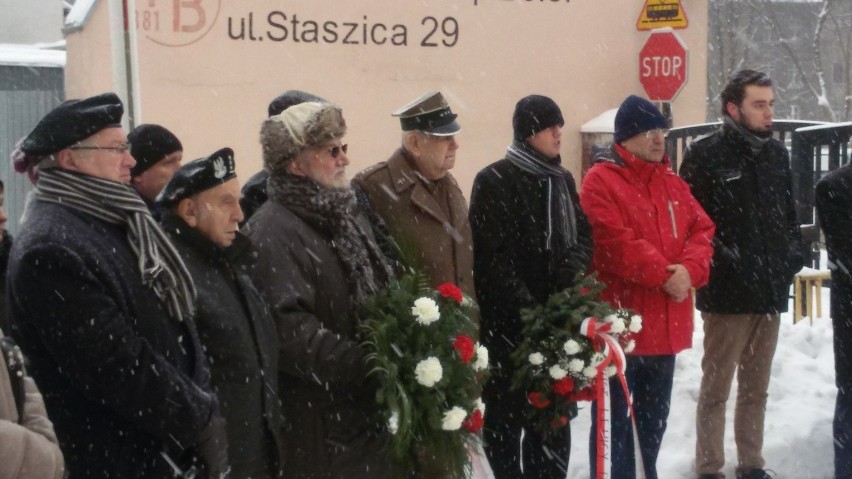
103 306
318 262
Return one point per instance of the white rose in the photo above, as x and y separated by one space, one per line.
478 404
429 371
618 326
453 419
557 373
610 371
571 347
393 423
426 311
536 359
629 346
635 323
590 372
576 365
481 362
610 318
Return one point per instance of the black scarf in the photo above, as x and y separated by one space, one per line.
159 264
560 207
333 211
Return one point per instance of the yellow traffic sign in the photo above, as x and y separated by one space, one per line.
662 13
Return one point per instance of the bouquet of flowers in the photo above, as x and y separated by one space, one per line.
421 348
559 359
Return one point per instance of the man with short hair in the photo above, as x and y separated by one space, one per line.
834 208
741 176
158 154
652 246
317 264
103 306
530 240
202 214
418 199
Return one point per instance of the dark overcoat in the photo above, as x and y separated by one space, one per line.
758 244
330 429
514 269
122 380
240 341
443 245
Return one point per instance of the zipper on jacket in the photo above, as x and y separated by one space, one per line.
674 221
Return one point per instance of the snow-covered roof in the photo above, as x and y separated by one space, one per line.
603 123
31 55
79 15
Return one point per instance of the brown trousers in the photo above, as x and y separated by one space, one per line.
745 344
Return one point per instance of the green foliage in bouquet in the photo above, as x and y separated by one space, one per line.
421 348
555 365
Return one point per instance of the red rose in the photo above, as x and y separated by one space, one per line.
474 422
557 423
449 290
564 386
537 401
465 347
587 394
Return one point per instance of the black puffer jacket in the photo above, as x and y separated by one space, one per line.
758 243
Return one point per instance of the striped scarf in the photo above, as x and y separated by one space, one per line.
159 264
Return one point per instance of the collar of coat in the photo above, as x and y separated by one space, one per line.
643 170
179 230
403 176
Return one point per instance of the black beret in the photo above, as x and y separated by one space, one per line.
199 175
71 122
290 98
149 144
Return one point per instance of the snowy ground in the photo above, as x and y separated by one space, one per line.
797 440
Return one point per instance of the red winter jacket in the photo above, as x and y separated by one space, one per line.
644 218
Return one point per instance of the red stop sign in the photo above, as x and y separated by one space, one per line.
662 66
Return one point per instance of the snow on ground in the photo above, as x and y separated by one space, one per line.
797 439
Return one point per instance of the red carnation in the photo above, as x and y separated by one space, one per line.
465 347
564 386
449 290
587 394
557 423
537 401
474 422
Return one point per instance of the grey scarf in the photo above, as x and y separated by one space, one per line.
560 208
755 141
333 211
159 264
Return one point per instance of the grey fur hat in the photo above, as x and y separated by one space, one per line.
301 126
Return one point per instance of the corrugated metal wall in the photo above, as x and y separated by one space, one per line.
26 95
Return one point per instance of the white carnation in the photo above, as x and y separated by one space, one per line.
635 323
590 371
453 419
536 359
576 365
393 423
429 371
481 362
571 347
610 371
610 318
478 404
629 346
618 326
557 373
425 311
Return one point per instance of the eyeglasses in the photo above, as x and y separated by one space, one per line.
120 149
661 132
335 150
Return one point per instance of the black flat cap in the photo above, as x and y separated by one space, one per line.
430 114
73 121
199 175
149 144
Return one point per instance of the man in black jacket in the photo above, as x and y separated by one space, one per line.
103 306
202 213
530 240
834 207
741 176
158 154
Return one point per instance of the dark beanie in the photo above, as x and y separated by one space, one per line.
533 114
637 115
149 144
290 98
